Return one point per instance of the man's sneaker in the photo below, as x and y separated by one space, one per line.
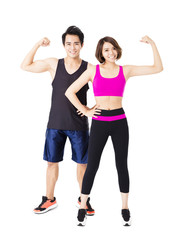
126 217
90 210
45 205
81 218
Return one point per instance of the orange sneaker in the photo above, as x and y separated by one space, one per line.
89 209
46 205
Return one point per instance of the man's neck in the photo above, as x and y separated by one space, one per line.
72 61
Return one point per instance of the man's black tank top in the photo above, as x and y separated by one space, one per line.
63 115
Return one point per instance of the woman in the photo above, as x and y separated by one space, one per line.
108 117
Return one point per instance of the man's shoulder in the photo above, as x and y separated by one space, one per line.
53 62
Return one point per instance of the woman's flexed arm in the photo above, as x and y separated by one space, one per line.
75 87
131 70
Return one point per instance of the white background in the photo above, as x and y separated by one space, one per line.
153 105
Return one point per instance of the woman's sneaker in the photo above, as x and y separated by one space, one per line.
81 218
126 217
46 205
90 210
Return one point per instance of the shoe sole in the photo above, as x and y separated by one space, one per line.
81 224
46 210
88 214
127 224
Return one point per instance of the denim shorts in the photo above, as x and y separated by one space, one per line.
55 143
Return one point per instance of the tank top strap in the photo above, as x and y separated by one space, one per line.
60 64
60 61
84 64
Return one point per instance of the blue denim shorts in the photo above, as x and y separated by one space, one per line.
55 143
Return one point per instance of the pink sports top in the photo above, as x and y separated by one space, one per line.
109 86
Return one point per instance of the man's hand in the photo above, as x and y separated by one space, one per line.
44 42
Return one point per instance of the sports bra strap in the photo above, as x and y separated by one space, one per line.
121 70
97 69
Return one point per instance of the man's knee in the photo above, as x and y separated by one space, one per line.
52 165
81 167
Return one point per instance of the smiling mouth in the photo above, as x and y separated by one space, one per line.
112 57
73 52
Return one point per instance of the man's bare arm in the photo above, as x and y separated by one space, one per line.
39 66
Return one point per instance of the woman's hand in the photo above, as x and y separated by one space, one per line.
90 112
147 39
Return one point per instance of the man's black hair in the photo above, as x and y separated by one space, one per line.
73 30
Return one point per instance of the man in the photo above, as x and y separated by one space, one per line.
64 120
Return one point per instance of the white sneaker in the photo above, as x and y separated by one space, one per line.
81 218
126 217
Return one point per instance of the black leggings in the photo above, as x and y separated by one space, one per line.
100 131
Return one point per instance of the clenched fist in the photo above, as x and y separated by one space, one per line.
146 39
44 42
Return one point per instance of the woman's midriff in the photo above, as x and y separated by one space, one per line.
109 102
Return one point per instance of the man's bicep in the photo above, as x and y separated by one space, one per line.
38 66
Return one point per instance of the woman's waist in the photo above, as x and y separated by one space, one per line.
110 115
112 112
109 103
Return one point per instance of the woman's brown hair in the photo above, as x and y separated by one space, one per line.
99 48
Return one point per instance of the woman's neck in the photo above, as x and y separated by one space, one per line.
109 65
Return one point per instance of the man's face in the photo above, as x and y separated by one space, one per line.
72 46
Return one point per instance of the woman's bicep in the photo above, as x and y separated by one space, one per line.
132 70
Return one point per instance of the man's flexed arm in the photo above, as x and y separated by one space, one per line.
40 65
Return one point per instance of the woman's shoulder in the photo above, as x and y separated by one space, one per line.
126 68
91 65
91 68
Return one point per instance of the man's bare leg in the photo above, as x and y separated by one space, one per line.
51 179
81 168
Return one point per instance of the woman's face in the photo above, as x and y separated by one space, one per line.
109 52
